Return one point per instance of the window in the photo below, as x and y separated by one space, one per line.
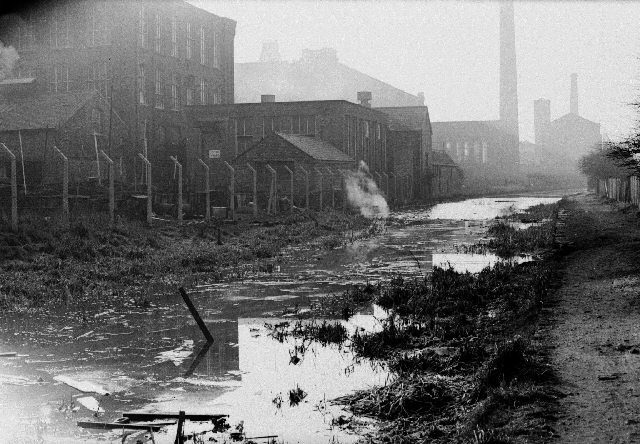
159 90
484 152
142 99
174 37
96 120
189 41
190 89
204 86
59 80
203 52
466 150
378 131
216 97
142 31
156 40
174 92
216 61
366 129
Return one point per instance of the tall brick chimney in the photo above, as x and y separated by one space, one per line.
573 107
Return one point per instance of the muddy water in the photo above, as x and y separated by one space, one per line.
153 358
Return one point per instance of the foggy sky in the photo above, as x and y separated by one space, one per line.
450 50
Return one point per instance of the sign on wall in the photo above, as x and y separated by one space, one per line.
214 154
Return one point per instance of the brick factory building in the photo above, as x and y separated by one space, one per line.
152 58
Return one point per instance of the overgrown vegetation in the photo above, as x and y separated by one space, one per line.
46 263
460 346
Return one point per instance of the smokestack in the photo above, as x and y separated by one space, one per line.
508 70
267 98
573 107
364 97
541 120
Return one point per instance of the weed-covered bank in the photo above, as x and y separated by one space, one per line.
46 264
467 364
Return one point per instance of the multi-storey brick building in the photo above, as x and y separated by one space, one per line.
151 58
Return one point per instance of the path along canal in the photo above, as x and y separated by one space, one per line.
153 358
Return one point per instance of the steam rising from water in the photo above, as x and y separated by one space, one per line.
363 193
8 57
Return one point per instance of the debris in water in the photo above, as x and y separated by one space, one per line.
296 396
90 403
83 386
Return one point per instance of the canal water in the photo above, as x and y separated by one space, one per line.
154 358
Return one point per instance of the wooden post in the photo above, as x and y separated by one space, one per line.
207 197
255 189
112 194
95 143
291 172
321 188
65 186
14 189
196 315
179 165
386 181
379 181
306 191
179 435
333 191
149 201
395 187
273 192
232 189
24 176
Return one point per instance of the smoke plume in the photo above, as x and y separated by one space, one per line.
8 57
363 193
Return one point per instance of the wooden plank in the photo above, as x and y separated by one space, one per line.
8 354
123 426
134 416
196 315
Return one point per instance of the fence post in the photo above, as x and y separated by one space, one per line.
65 186
112 193
273 190
207 197
333 191
179 165
291 172
306 190
14 189
379 181
232 189
149 200
321 187
255 189
386 181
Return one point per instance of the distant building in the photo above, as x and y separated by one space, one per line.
152 58
560 143
488 150
318 75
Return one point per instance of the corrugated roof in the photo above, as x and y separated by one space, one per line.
41 111
316 148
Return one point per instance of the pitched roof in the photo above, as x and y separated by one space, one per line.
441 158
316 148
41 111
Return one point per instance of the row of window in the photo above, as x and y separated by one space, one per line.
59 31
166 39
466 152
174 91
63 78
259 126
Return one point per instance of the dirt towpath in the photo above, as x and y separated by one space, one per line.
595 324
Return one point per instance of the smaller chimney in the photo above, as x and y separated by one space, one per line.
267 98
364 97
574 94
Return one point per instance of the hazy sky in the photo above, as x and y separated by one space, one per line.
450 50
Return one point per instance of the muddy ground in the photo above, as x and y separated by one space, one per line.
592 322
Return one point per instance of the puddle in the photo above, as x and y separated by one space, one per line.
155 359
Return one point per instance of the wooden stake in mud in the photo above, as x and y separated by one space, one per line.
232 189
333 189
65 186
112 198
179 437
149 201
14 189
196 315
273 192
290 172
255 189
321 188
207 196
179 165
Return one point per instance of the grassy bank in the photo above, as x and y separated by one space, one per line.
467 365
46 264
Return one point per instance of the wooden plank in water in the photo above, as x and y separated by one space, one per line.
134 416
126 426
